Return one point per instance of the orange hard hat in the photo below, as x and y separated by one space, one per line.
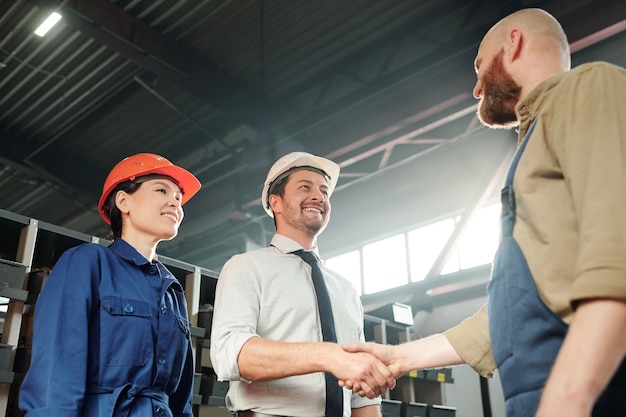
142 164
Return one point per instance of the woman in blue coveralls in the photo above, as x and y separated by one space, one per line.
111 336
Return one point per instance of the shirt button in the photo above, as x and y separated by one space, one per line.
152 270
128 308
159 411
161 361
163 309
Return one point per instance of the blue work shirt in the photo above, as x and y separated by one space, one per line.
111 338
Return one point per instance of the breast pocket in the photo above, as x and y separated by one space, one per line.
126 331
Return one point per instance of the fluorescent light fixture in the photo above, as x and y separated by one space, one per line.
52 20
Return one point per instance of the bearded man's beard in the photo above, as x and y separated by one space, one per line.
501 94
294 218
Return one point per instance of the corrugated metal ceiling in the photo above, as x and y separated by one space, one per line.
226 87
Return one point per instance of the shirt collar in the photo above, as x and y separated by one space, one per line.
125 251
529 108
287 245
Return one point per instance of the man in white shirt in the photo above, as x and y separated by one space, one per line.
266 336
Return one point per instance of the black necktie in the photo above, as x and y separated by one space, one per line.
334 393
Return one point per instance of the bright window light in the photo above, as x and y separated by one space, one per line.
349 266
479 243
425 244
384 264
385 261
52 20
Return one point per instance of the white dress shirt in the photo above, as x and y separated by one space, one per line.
268 292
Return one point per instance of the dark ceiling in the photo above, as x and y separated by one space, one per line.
224 88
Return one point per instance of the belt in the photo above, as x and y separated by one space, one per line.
249 413
123 398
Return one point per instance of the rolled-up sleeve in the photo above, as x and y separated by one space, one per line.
591 150
235 315
471 341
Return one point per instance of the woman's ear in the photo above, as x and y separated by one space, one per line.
122 201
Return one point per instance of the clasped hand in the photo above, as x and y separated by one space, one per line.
381 375
362 372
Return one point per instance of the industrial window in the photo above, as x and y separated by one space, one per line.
409 256
425 245
349 266
384 264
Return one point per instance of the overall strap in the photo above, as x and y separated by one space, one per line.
507 194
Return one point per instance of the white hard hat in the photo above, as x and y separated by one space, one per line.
296 161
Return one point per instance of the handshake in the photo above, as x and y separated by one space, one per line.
371 368
367 368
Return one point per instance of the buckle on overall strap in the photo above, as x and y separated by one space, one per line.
507 198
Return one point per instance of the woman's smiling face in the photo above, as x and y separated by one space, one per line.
154 209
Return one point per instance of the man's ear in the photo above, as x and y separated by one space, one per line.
121 201
276 203
514 43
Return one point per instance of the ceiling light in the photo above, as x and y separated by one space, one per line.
48 24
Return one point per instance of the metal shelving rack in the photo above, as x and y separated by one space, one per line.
23 254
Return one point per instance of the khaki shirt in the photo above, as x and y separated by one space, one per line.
570 190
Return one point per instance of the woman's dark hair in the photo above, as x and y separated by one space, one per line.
115 215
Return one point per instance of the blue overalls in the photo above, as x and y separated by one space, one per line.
525 334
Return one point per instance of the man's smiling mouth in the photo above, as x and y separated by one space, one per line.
313 210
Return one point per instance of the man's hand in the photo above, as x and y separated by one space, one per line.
430 352
383 352
364 370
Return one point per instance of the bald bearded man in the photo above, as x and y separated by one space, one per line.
556 313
